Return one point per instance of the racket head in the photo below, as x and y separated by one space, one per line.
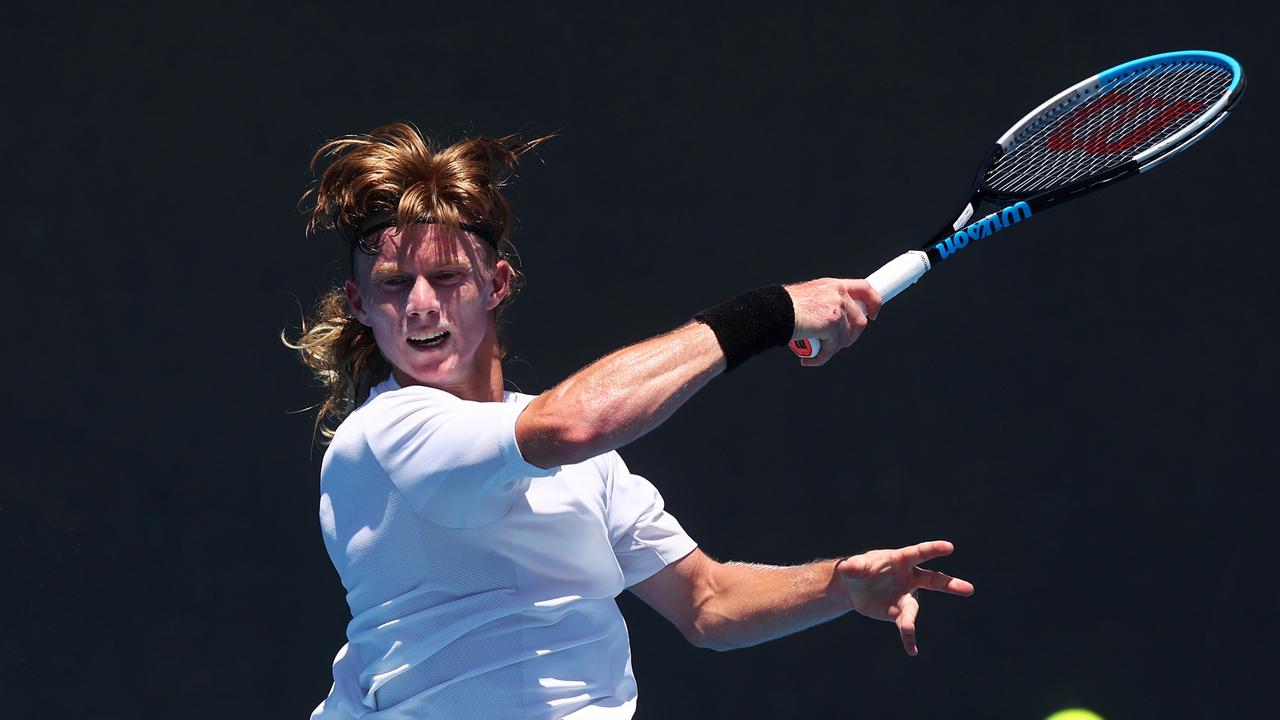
1119 122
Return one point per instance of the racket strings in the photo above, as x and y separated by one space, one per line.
1094 131
1141 122
1063 162
1064 157
1107 113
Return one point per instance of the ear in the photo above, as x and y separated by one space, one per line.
356 302
500 286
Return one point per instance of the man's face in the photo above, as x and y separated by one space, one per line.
428 295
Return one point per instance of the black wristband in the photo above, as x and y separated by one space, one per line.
750 323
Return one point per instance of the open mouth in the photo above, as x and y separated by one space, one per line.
428 339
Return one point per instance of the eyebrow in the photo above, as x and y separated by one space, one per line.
389 268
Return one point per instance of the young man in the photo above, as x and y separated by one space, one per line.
482 535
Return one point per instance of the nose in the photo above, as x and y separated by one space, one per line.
422 299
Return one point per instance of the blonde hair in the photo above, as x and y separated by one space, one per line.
393 175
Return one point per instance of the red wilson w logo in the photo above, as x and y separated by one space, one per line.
1125 110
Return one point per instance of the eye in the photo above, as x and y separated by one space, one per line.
449 276
394 281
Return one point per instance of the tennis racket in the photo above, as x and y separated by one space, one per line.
1115 125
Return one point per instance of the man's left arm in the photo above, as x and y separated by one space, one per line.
724 606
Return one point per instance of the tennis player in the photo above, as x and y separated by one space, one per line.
482 535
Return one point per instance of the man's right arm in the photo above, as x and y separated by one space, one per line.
631 391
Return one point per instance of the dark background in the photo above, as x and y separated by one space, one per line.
1083 405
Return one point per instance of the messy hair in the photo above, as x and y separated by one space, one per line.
394 176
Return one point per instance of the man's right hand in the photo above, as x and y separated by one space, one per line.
833 310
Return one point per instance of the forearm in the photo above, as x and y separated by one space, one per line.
618 398
748 604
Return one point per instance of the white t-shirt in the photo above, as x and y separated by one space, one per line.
481 586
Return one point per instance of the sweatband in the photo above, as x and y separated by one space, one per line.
378 221
753 322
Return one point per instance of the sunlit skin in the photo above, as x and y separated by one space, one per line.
428 279
731 605
431 278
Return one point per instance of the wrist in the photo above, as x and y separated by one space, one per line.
751 323
837 590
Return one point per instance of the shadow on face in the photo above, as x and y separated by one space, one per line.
423 246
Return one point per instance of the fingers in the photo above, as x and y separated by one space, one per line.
931 579
847 328
862 291
833 310
829 348
855 320
909 608
924 552
942 582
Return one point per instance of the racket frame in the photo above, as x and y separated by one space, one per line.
982 195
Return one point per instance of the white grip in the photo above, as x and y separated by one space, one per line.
892 278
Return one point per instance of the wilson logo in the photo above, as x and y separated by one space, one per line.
995 222
1117 122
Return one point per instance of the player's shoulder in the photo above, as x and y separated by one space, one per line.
391 410
387 405
388 402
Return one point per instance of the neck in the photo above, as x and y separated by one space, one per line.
484 382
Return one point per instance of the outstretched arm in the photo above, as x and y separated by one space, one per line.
631 391
731 605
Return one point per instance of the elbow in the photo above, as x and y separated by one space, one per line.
580 441
575 441
707 626
707 633
550 439
708 644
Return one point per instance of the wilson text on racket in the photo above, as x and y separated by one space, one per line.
995 222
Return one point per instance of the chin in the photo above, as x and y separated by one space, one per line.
444 367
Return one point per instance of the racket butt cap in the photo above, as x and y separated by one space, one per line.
805 347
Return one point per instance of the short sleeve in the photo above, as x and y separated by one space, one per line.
645 537
455 460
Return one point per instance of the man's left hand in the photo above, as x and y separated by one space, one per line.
882 584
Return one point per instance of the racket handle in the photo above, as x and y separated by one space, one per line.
892 278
